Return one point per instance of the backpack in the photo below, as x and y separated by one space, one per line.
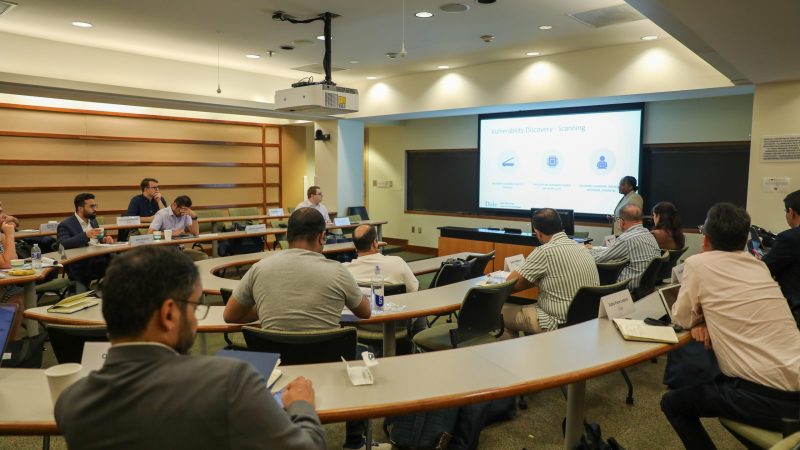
238 246
431 430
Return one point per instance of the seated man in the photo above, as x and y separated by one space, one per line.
151 305
393 268
298 289
314 201
144 205
79 230
729 300
635 243
783 259
8 217
559 267
177 217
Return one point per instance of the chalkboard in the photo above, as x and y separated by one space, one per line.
694 176
442 181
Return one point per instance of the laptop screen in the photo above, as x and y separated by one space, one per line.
669 295
7 313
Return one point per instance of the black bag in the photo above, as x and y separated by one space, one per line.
592 439
430 430
240 246
472 419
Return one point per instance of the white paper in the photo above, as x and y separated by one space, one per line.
677 274
257 228
129 220
141 239
369 359
48 227
272 212
608 241
359 375
94 356
512 263
618 304
495 278
341 221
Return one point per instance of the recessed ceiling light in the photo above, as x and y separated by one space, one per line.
372 78
354 62
532 54
649 37
252 56
545 27
442 67
424 14
82 24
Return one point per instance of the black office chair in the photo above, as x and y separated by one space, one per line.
479 263
755 438
235 342
672 261
304 347
609 271
360 210
647 283
480 320
67 340
451 271
585 306
372 333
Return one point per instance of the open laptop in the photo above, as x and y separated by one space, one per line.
7 313
669 295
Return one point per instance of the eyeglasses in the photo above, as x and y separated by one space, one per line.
200 309
153 187
701 229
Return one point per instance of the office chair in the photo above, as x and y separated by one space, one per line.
672 261
609 271
480 320
67 340
451 271
755 438
304 347
647 283
234 341
372 333
479 263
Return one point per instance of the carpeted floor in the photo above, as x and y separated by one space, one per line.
638 426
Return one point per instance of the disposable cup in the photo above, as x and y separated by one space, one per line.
61 377
168 235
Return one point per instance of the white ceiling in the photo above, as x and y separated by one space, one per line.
186 30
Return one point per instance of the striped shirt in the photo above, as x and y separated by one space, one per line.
637 244
559 268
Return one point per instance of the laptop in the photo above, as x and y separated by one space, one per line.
7 313
669 295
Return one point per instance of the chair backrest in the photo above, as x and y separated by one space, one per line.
452 272
67 340
225 294
609 271
586 302
647 283
479 263
360 210
672 261
480 312
205 227
304 347
388 289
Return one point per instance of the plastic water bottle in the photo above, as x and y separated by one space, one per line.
377 288
36 257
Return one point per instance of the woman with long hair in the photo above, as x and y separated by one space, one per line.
668 230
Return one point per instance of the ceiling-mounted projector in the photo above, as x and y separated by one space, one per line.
319 99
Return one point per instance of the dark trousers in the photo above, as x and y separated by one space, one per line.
731 398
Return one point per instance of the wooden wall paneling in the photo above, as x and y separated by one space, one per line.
41 122
263 167
86 177
273 155
280 163
169 129
273 195
272 135
274 175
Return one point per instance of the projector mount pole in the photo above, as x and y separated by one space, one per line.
326 19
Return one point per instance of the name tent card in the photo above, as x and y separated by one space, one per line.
48 227
142 239
341 221
257 228
129 220
618 304
273 212
512 263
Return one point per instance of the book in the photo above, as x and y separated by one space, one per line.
637 330
75 303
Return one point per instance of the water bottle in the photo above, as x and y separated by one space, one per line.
36 257
377 288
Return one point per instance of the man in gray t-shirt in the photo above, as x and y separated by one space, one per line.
297 289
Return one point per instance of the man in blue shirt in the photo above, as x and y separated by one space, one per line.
144 205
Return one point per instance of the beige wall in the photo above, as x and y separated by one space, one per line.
293 166
776 110
716 119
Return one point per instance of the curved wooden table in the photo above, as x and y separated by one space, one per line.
28 283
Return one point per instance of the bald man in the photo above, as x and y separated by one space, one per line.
393 268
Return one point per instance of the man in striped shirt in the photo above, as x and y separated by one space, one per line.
635 243
559 267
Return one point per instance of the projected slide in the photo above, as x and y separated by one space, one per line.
570 161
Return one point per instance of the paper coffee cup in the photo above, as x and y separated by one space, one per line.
157 235
61 377
168 235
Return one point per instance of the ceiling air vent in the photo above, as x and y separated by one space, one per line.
5 6
603 17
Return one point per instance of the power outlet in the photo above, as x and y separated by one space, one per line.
412 230
419 230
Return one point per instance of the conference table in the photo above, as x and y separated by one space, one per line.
28 283
404 384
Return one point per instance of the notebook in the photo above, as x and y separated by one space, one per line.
7 313
75 303
637 330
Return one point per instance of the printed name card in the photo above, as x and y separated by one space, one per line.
609 240
341 221
257 228
48 227
677 274
273 212
512 263
129 220
142 239
618 304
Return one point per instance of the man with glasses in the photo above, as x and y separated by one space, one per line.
150 394
314 201
144 205
783 258
730 303
635 243
80 230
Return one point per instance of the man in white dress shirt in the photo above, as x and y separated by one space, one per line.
314 201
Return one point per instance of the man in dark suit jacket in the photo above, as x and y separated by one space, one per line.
150 395
783 259
77 231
